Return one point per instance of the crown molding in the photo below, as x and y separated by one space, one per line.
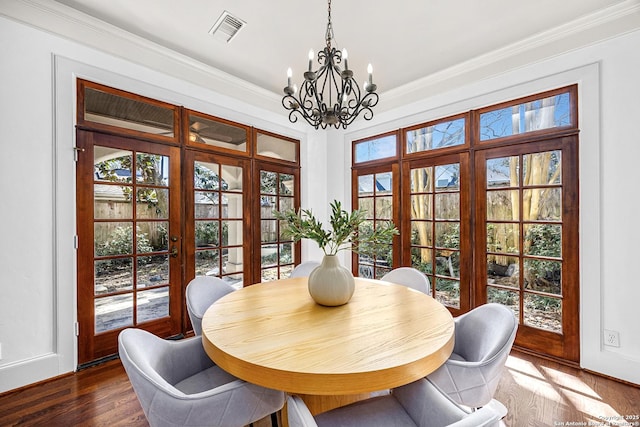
66 22
61 20
621 18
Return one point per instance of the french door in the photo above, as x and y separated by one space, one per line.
129 240
436 232
375 190
278 187
216 196
527 240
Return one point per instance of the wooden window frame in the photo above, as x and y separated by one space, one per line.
442 150
530 136
259 157
247 153
83 123
382 161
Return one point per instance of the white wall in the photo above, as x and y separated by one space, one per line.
37 260
609 154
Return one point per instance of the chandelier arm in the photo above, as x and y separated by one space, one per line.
293 118
293 104
373 99
364 106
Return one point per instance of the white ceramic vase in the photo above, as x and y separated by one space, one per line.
330 283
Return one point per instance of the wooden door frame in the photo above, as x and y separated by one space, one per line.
466 247
565 345
190 156
93 346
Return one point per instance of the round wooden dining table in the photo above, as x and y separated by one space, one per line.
274 335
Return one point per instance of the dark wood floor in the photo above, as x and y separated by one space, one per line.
536 391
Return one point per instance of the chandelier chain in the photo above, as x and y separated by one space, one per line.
329 35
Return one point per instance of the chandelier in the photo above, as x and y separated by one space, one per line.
330 96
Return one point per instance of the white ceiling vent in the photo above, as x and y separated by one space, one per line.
226 27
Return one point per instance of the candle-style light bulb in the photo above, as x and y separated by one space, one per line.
289 73
370 71
310 58
345 55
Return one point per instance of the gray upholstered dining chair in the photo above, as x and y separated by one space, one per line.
203 291
418 404
483 339
177 384
304 269
410 277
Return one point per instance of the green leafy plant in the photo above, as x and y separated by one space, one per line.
343 234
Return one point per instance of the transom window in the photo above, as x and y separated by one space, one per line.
447 133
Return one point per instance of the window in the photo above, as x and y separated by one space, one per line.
377 148
218 202
105 108
375 196
524 234
447 133
375 185
277 147
487 209
278 191
436 229
529 115
209 132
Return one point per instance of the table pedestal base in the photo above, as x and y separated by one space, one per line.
323 403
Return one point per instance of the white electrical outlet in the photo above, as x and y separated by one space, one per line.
611 338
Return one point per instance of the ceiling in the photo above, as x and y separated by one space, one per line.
404 40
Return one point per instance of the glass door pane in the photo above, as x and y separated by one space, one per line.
524 234
527 241
128 260
375 196
218 202
129 242
278 191
435 228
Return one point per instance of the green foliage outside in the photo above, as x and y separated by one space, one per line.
544 240
121 242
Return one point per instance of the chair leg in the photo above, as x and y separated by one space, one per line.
274 420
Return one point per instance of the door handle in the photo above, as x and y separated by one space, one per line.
174 252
